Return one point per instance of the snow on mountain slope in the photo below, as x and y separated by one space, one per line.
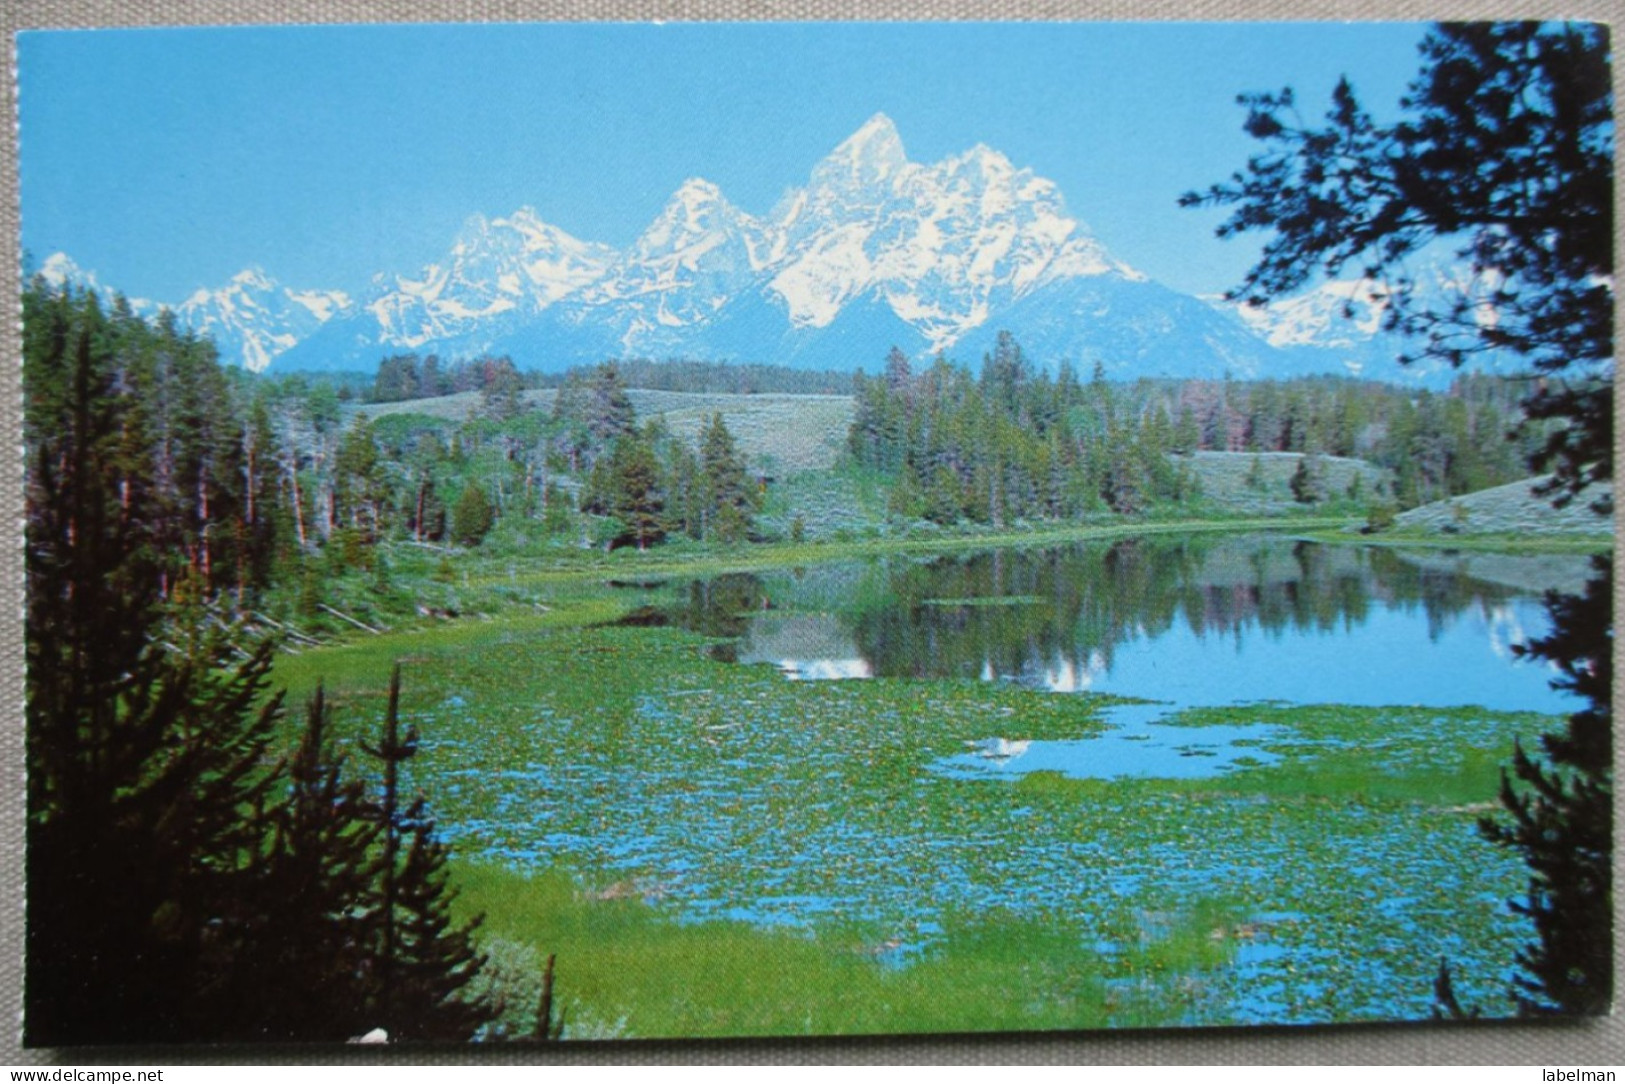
253 319
943 245
1336 313
59 270
698 253
1339 326
499 276
515 264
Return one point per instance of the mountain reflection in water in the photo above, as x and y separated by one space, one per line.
1205 620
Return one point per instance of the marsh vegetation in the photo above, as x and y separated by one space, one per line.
1153 781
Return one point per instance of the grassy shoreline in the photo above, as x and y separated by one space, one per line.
684 559
496 583
680 561
1132 901
1486 543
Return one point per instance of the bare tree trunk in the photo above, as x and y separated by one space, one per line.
203 541
250 471
298 501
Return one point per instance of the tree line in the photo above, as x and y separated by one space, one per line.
247 486
252 478
587 469
1014 444
1438 444
255 477
403 377
1018 443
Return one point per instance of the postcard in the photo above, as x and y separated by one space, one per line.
567 532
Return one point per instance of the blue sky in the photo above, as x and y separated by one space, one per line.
165 160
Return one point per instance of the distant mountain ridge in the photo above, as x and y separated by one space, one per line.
252 319
874 251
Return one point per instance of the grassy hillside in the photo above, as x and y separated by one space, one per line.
798 439
782 434
1508 510
1261 482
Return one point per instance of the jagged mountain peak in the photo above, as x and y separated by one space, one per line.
698 201
697 191
876 140
252 288
526 218
979 159
253 318
696 219
499 269
870 157
944 246
59 270
253 278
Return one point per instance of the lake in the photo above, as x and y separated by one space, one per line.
1201 622
1114 741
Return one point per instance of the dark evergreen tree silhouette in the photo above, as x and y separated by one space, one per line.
145 760
302 976
423 961
1506 156
1561 814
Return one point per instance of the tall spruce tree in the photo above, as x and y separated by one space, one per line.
1561 819
635 494
301 978
730 497
421 962
144 760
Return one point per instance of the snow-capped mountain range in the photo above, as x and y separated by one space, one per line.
874 251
